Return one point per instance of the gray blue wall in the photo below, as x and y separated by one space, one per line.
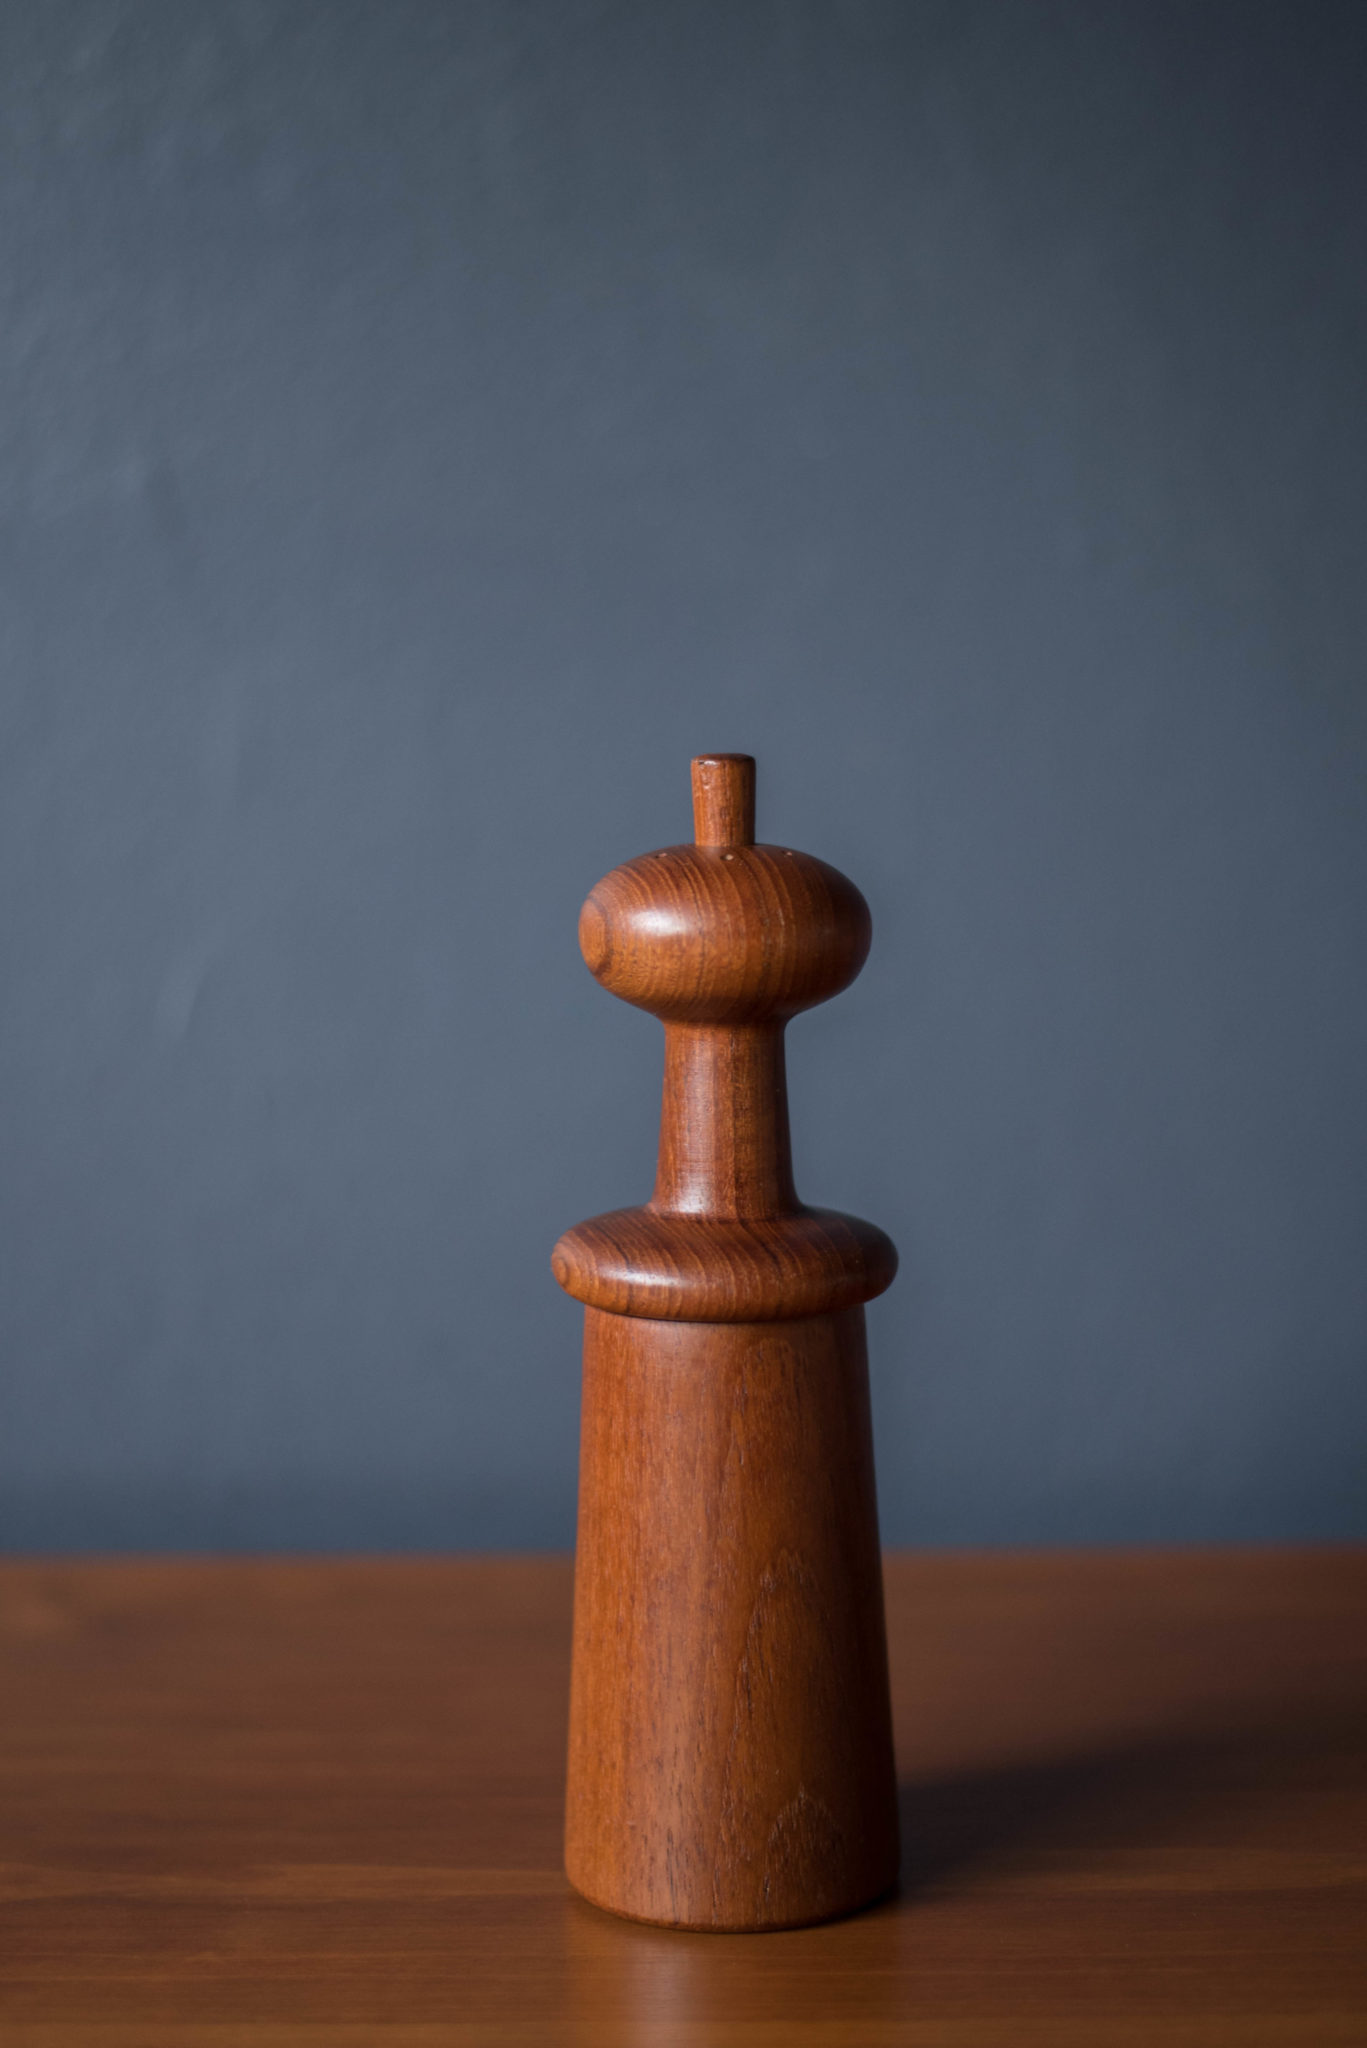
427 425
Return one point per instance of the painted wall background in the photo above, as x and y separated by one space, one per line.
425 427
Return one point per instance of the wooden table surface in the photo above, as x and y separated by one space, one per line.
320 1802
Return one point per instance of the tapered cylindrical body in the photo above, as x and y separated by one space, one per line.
730 1756
730 1759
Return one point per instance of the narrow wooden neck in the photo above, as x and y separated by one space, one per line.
724 1145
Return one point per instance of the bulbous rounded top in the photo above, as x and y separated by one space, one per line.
725 934
724 941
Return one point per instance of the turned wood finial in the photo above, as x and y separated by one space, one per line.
724 941
724 800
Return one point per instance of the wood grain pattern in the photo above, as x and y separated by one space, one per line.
724 800
730 1757
318 1804
725 942
730 1764
709 1269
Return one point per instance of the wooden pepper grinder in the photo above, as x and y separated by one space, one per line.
730 1757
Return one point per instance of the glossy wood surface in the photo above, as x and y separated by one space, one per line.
292 1805
724 800
730 1759
713 1269
725 941
730 1763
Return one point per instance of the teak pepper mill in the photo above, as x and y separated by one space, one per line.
730 1755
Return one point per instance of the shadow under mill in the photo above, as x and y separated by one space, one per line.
1079 1811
